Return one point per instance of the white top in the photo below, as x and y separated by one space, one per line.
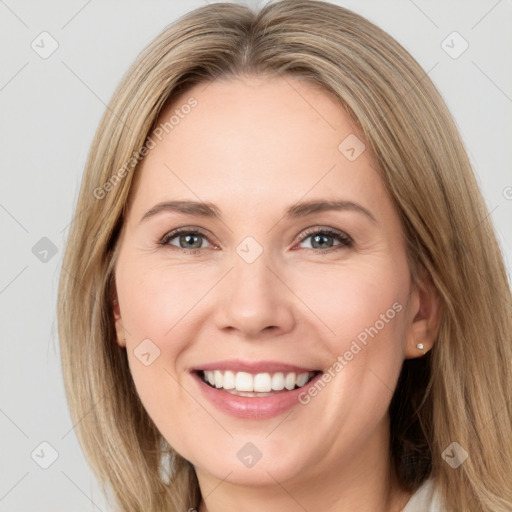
425 499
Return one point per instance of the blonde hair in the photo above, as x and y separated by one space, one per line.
459 392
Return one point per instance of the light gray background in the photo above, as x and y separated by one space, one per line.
50 110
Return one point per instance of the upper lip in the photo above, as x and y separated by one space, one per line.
253 367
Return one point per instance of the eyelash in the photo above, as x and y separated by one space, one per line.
344 239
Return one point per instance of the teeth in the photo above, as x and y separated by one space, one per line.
244 382
301 379
218 378
262 382
229 380
277 381
289 381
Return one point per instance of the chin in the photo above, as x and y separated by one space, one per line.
255 463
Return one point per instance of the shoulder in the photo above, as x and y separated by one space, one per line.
425 499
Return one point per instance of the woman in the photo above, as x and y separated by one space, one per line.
283 288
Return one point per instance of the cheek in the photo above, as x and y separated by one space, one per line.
167 403
151 307
156 301
347 301
362 313
364 309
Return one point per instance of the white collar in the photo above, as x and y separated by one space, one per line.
425 499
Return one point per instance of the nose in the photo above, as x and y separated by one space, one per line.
254 300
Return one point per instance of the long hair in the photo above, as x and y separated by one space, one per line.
459 392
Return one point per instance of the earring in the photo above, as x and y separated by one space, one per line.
419 346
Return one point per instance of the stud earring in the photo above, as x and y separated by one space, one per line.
420 346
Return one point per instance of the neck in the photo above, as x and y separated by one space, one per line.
362 481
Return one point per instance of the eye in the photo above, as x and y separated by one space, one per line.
324 239
186 239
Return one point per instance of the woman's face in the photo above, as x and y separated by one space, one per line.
266 285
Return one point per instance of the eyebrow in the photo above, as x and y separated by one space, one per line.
298 210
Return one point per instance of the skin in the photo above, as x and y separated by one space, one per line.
254 146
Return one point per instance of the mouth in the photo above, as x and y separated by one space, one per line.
256 385
254 390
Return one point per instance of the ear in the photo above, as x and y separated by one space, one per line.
120 332
425 318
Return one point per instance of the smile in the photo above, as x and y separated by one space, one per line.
253 390
255 385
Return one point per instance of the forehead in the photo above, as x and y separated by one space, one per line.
256 142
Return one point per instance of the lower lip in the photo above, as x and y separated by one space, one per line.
253 407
